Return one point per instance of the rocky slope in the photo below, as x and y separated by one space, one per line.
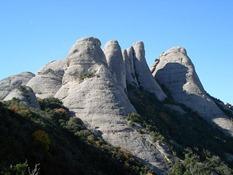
94 88
48 80
12 82
107 87
175 71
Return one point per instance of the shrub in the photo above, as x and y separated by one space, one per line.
87 75
75 125
18 107
50 103
134 118
42 137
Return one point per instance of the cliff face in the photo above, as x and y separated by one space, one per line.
175 71
95 85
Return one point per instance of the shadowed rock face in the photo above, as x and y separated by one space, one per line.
12 82
25 94
128 56
175 71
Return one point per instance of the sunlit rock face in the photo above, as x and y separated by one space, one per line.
175 71
48 80
143 74
10 83
93 87
113 54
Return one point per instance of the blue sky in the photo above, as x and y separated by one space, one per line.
33 32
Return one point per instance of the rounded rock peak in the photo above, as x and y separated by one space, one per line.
139 50
85 41
138 44
112 44
177 49
27 73
91 40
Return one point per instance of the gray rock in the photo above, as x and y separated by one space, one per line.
90 91
12 82
25 94
143 74
115 61
48 80
176 72
128 56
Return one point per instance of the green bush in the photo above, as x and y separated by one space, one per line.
134 117
59 142
87 75
42 138
50 103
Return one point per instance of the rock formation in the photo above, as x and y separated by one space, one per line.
128 56
115 61
175 71
90 91
93 84
12 82
143 74
25 94
48 80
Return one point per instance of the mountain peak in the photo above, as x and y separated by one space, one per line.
176 49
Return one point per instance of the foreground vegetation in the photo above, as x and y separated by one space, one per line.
51 141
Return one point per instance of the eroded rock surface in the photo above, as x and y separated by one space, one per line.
12 82
48 80
175 71
143 74
25 94
113 54
90 91
128 56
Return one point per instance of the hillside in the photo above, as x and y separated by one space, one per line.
103 111
58 142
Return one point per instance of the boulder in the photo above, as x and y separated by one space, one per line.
175 71
25 94
12 82
48 80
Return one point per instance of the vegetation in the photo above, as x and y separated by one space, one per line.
200 147
87 75
54 142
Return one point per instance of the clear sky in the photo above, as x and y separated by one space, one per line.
33 32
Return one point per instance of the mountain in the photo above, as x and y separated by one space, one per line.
162 117
175 71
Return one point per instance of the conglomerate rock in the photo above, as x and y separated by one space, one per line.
12 82
175 71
